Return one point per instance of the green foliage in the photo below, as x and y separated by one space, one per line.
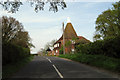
61 50
10 69
67 43
95 60
13 32
12 53
108 23
107 47
81 41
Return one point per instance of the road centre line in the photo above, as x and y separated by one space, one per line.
55 68
58 71
49 60
46 58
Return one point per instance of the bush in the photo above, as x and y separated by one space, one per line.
108 47
12 53
61 50
9 69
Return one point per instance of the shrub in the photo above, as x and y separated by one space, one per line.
61 50
108 47
12 53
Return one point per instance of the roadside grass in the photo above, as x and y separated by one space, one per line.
9 69
100 61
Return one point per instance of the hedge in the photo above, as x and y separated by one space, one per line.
12 53
107 47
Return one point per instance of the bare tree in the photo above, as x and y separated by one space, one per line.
50 44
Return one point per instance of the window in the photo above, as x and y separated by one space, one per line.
56 51
58 44
73 50
55 45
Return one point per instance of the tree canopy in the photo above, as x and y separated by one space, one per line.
108 23
13 32
13 6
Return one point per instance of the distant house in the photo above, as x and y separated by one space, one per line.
49 51
70 38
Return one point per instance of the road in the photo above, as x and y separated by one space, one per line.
54 67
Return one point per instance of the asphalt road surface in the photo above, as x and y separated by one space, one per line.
54 67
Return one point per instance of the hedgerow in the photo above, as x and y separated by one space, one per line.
12 53
107 47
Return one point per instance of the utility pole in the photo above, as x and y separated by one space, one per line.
63 39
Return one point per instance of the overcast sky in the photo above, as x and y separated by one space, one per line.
45 26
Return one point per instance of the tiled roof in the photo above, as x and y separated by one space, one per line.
83 38
69 32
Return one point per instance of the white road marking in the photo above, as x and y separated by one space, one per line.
55 68
58 71
46 58
49 60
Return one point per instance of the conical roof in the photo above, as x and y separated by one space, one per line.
69 32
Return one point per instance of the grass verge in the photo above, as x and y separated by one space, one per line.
100 61
9 69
